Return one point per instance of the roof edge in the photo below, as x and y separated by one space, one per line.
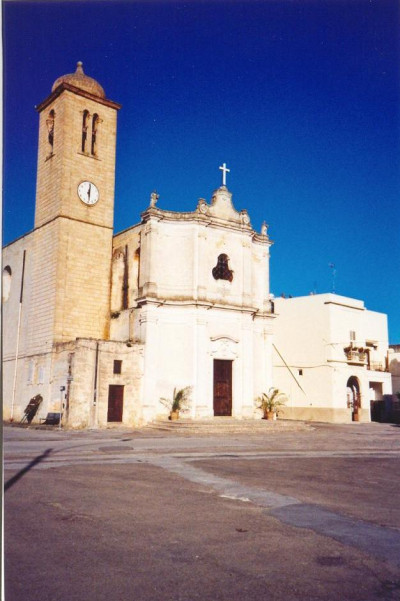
67 86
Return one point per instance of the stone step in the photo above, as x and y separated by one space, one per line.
222 425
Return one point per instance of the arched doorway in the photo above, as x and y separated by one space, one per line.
353 397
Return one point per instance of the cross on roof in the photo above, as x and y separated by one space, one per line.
224 172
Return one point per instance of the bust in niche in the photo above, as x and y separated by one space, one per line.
221 271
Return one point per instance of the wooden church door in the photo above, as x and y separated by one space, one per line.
222 387
115 403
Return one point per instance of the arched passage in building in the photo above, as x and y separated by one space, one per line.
353 396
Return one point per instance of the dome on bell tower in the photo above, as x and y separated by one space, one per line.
82 81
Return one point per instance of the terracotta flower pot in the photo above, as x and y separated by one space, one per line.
269 415
174 415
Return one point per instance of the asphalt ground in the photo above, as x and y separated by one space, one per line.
150 515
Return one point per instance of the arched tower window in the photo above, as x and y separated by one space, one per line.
85 125
6 282
50 130
95 124
221 271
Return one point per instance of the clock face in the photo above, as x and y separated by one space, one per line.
88 193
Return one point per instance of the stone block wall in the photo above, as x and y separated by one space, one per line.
60 173
88 409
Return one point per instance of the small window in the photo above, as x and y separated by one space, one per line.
85 122
117 366
352 335
6 282
50 131
31 372
40 375
300 372
95 123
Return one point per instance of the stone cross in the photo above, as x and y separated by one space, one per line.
224 172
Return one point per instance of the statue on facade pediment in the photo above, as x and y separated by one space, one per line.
202 206
244 217
154 198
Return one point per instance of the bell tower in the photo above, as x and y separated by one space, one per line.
74 212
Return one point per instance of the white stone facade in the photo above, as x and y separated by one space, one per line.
185 317
327 349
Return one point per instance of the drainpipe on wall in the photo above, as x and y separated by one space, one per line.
125 286
95 387
69 380
18 335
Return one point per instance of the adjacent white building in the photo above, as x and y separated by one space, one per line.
394 366
330 357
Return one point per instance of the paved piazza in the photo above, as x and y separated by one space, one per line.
181 515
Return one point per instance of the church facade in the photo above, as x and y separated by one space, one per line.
103 326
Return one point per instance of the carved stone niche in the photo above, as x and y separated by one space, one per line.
224 347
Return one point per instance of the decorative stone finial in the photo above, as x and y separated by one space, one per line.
153 198
244 217
202 206
264 229
79 67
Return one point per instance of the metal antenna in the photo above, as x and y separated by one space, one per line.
332 266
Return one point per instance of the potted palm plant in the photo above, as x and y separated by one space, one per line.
270 402
179 402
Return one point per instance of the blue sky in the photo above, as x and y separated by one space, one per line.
301 99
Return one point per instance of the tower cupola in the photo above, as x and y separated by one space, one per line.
81 81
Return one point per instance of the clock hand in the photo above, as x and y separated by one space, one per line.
90 187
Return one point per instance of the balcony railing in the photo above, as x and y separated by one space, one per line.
356 356
377 366
361 356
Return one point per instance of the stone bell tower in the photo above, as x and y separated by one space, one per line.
74 212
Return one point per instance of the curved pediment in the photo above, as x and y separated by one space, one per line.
224 347
222 207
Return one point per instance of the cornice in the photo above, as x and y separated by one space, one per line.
66 86
153 213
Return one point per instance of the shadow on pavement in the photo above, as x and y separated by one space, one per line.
26 469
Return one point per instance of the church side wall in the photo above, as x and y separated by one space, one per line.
125 269
33 374
27 374
13 258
